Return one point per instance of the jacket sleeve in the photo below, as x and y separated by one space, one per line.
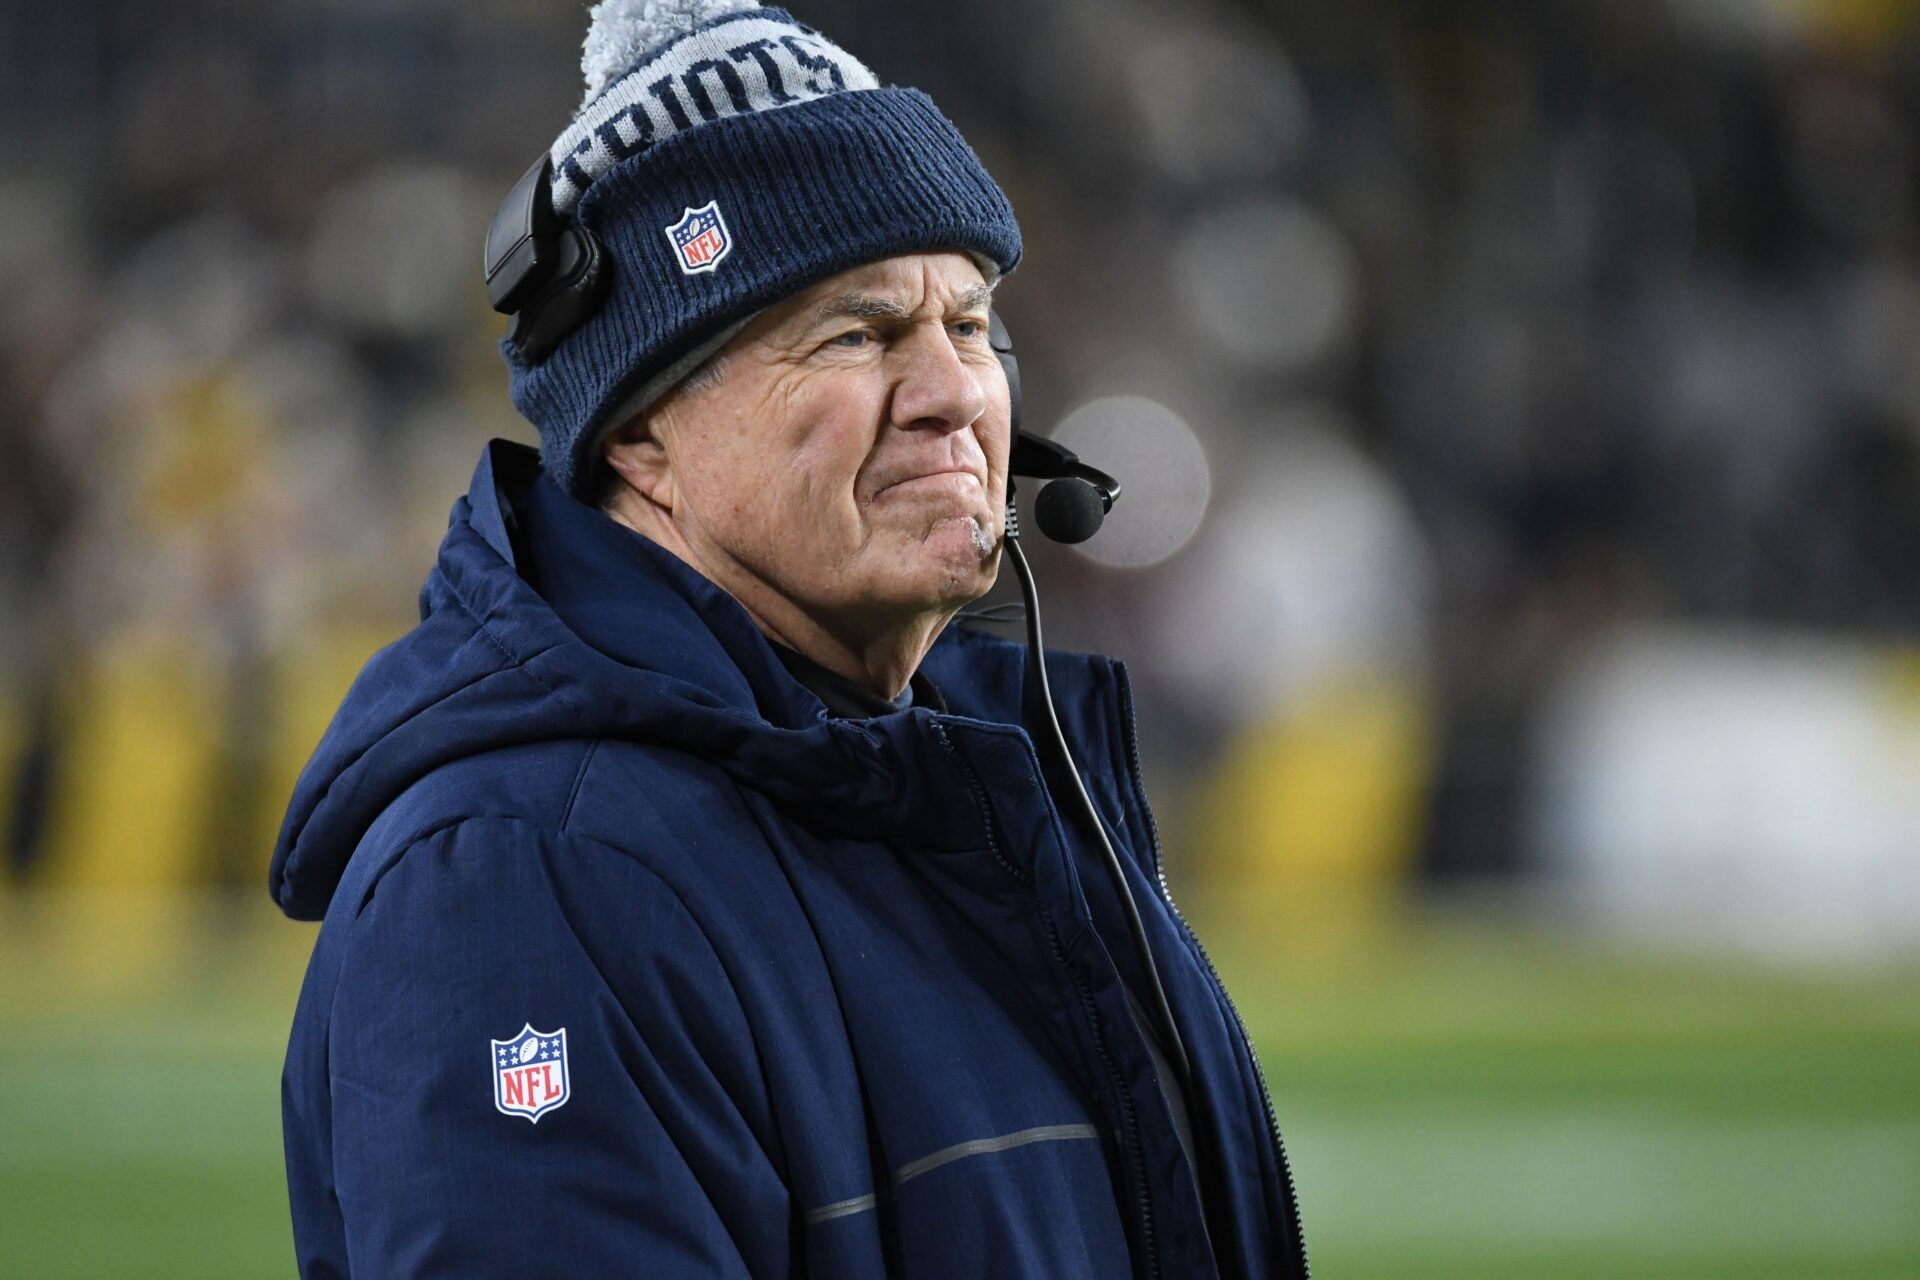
637 1142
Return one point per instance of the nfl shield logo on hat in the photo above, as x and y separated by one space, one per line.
530 1073
700 238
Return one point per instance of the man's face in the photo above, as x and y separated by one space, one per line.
852 454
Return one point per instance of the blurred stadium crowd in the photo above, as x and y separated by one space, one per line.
1518 403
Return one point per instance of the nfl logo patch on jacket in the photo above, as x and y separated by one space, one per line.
530 1073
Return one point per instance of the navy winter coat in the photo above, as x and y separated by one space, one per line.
634 963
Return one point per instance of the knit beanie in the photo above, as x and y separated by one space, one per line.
728 156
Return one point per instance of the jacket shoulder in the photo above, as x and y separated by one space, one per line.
532 782
655 804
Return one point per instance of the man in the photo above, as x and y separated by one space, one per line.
696 903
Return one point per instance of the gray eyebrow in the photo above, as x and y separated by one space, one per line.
864 306
861 306
978 297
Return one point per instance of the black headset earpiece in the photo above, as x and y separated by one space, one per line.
549 276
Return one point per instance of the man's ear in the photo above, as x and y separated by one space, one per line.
634 453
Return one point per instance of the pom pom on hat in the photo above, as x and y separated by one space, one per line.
624 31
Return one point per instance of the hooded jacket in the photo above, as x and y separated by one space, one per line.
636 962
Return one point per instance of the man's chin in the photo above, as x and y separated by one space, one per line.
963 538
957 559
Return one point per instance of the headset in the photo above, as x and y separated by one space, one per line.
551 277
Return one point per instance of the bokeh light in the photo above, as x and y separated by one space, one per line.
1269 283
1163 467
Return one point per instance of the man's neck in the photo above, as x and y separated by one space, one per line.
841 696
880 655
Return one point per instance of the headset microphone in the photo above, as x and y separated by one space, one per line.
1069 510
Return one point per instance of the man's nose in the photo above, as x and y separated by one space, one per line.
937 389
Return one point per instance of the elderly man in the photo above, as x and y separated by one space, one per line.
697 902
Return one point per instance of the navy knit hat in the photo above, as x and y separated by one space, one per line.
728 156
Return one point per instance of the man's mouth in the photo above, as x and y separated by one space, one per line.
955 483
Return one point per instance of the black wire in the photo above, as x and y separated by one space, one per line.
1007 611
1176 1049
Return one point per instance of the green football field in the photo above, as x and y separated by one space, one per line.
1459 1100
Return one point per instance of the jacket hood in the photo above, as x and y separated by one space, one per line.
666 658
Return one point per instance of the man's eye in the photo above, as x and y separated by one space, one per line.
852 338
968 328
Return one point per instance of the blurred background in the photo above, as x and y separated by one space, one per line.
1519 408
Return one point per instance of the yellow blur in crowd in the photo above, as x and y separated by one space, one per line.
145 765
148 787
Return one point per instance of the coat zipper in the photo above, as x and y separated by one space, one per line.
1130 1126
1160 875
1130 1134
